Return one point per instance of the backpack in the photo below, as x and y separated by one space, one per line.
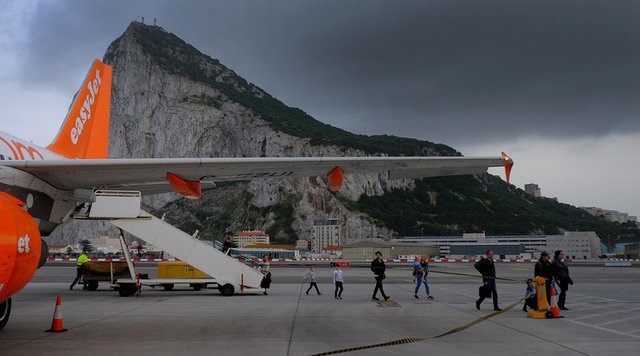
478 266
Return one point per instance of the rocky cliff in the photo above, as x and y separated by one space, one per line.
158 110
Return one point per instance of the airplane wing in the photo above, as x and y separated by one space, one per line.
149 175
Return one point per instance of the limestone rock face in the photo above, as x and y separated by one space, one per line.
159 113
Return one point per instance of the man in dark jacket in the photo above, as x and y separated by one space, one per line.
543 269
228 243
488 271
560 273
378 268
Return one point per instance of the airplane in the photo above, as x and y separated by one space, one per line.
42 187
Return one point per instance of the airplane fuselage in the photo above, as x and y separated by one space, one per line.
14 148
41 200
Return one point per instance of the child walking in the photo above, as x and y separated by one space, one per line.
337 280
313 280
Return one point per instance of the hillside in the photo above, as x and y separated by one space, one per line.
171 100
453 205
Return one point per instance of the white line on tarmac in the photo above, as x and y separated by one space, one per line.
604 329
619 320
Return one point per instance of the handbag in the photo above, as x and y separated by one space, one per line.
484 291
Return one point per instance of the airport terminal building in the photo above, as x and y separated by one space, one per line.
578 245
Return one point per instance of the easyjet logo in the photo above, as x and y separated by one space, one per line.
23 244
86 110
19 150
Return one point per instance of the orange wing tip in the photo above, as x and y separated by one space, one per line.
336 177
191 189
12 199
508 164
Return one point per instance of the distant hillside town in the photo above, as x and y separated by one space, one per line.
609 215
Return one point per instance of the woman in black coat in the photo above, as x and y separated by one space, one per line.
561 275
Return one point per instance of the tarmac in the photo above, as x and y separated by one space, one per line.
603 318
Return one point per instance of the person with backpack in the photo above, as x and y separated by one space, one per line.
378 268
487 269
420 271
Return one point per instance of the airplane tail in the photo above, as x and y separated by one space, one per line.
85 132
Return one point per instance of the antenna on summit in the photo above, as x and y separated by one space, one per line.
154 21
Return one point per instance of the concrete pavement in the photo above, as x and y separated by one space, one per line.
603 318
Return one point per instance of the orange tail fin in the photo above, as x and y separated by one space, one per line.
85 132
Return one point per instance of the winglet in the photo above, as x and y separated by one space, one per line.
85 131
508 164
191 189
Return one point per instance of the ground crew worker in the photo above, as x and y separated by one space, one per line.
82 259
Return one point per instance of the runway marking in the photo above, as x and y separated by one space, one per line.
604 329
293 321
604 314
619 320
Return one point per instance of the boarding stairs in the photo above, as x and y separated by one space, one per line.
122 209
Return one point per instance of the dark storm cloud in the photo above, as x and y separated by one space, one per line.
447 71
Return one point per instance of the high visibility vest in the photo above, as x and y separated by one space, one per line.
82 259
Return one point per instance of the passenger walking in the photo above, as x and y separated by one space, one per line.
82 259
421 270
338 280
313 280
530 296
543 269
560 272
265 269
378 268
487 269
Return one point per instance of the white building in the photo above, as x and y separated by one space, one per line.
245 238
532 189
326 232
577 245
106 244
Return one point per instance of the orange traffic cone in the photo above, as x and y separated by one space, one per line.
553 308
56 324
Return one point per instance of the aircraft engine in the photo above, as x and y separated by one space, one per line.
20 246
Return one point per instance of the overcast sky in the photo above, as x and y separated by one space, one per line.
555 84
